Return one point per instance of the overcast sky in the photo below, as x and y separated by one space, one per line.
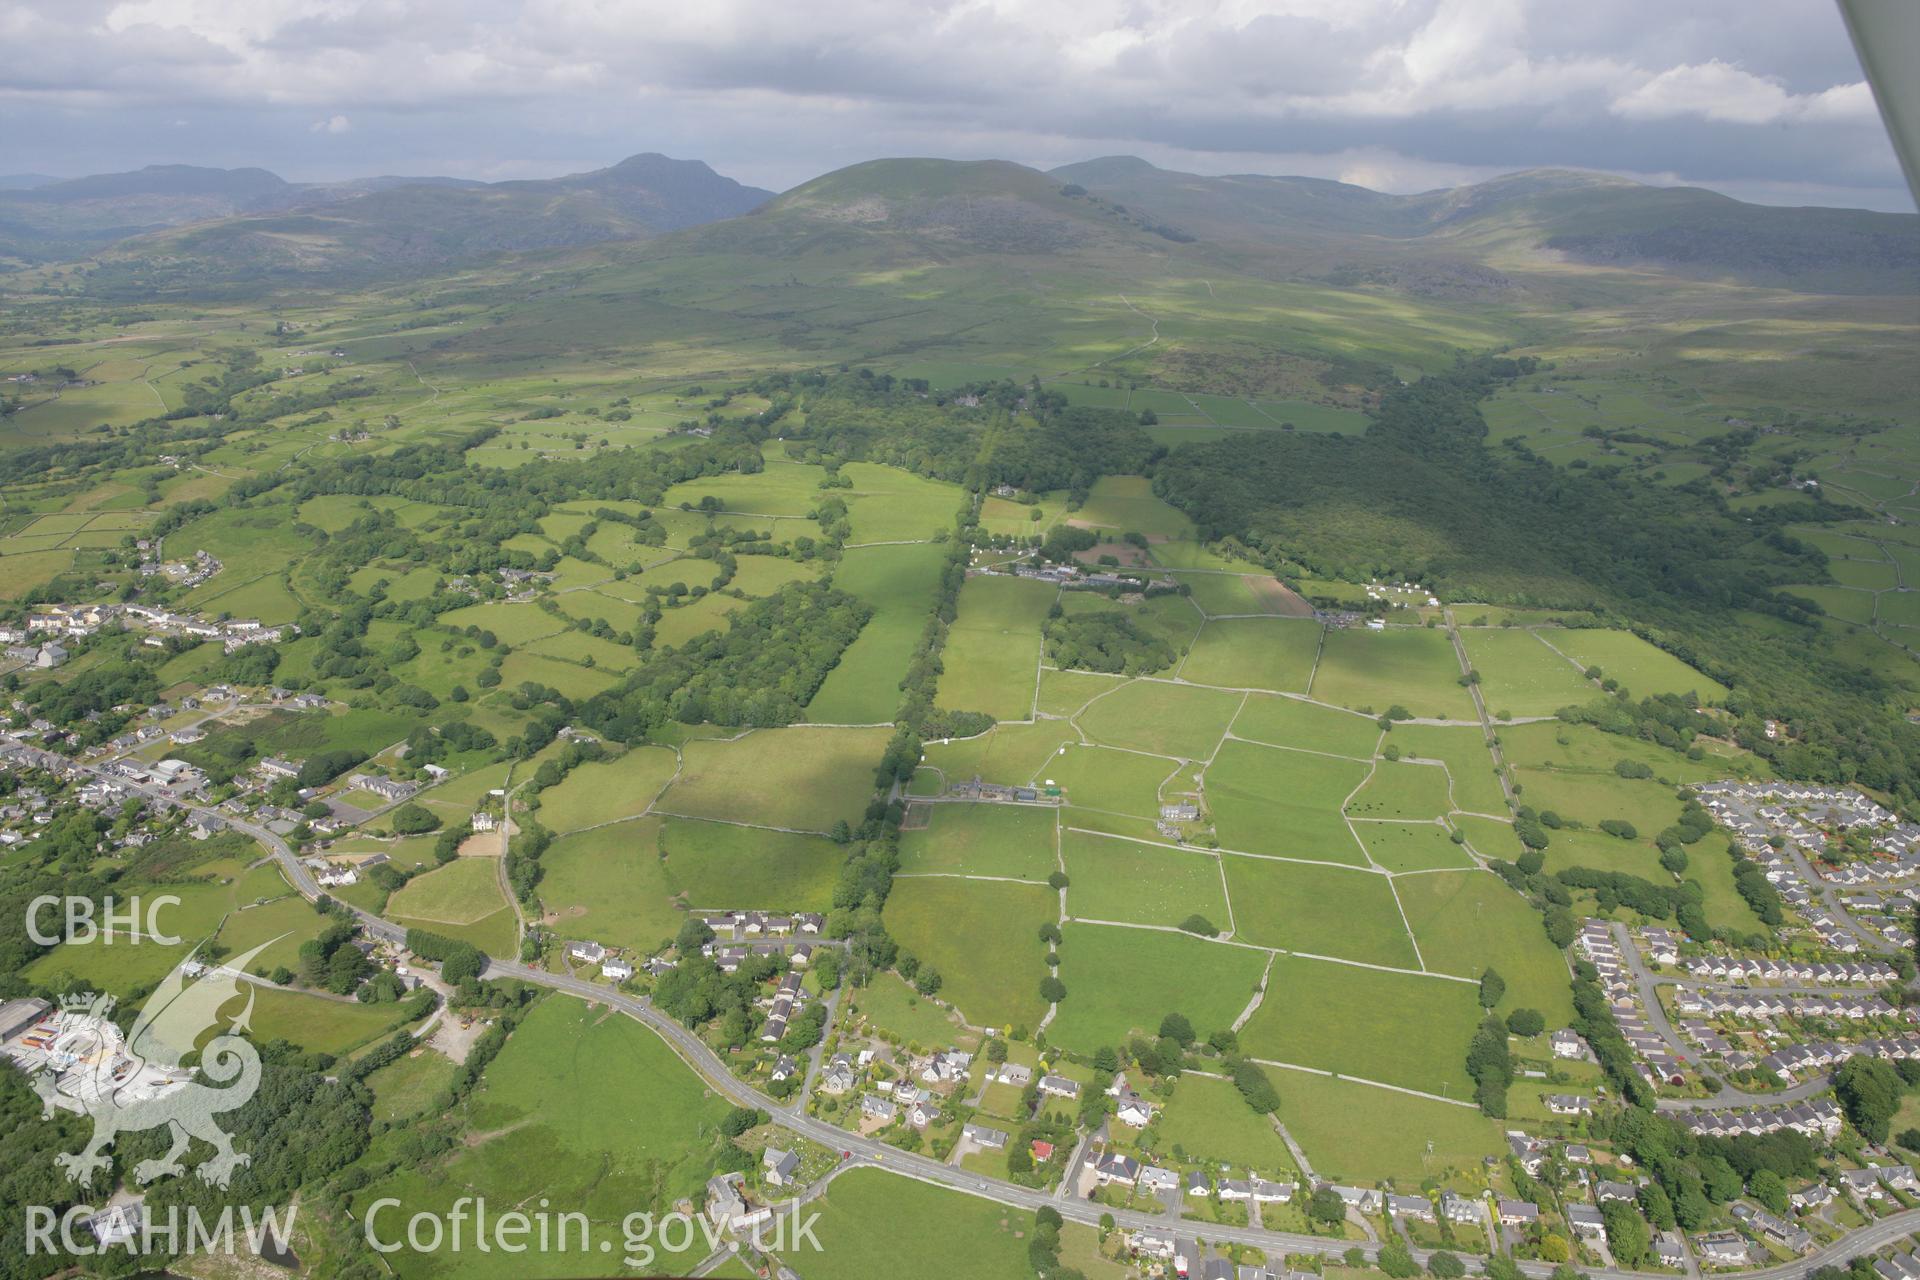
1762 99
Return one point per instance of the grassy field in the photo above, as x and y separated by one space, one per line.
1410 667
1396 1028
608 791
1064 692
984 938
1270 800
1276 654
1471 920
460 900
1639 666
892 1005
900 583
1402 791
1306 726
717 865
1320 909
806 779
1410 846
1165 719
610 885
992 657
1122 980
1211 1123
407 1086
956 1236
1140 883
1393 1142
1521 676
1127 504
983 840
583 1107
1463 750
1116 781
1008 753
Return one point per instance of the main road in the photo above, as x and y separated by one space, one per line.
860 1150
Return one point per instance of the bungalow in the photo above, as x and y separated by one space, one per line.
1236 1189
1059 1087
1197 1184
1518 1213
1622 1191
1272 1192
1721 1249
785 1069
875 1107
1112 1167
1364 1199
586 952
1016 1075
1410 1207
982 1136
780 1166
1569 1104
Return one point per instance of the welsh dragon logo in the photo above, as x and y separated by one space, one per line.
137 1081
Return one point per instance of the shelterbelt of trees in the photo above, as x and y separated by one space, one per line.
1421 495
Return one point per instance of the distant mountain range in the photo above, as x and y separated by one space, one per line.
176 226
254 221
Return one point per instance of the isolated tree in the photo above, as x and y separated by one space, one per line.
1492 988
1526 1022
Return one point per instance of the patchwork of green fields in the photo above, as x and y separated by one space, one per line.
992 659
1254 653
1271 800
1016 841
1408 667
